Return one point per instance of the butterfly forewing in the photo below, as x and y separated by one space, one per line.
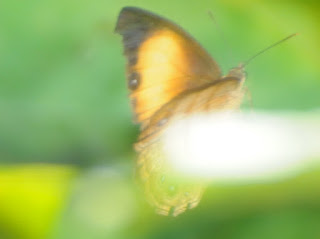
163 61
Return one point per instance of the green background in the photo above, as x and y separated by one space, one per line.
66 157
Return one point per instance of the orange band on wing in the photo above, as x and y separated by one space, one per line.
161 64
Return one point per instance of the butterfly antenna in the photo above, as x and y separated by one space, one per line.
222 35
267 48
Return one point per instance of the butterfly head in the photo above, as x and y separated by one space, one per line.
238 72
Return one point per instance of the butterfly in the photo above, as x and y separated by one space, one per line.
170 75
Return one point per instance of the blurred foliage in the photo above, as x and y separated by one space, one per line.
31 196
63 100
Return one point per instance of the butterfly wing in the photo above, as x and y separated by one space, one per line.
163 61
224 94
169 193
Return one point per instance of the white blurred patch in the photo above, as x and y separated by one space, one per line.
246 146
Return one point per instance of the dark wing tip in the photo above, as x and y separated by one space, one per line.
129 15
135 10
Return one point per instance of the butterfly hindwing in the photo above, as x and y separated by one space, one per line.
163 61
224 94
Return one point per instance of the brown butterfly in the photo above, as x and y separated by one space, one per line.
170 75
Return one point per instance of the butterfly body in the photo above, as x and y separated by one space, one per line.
170 76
